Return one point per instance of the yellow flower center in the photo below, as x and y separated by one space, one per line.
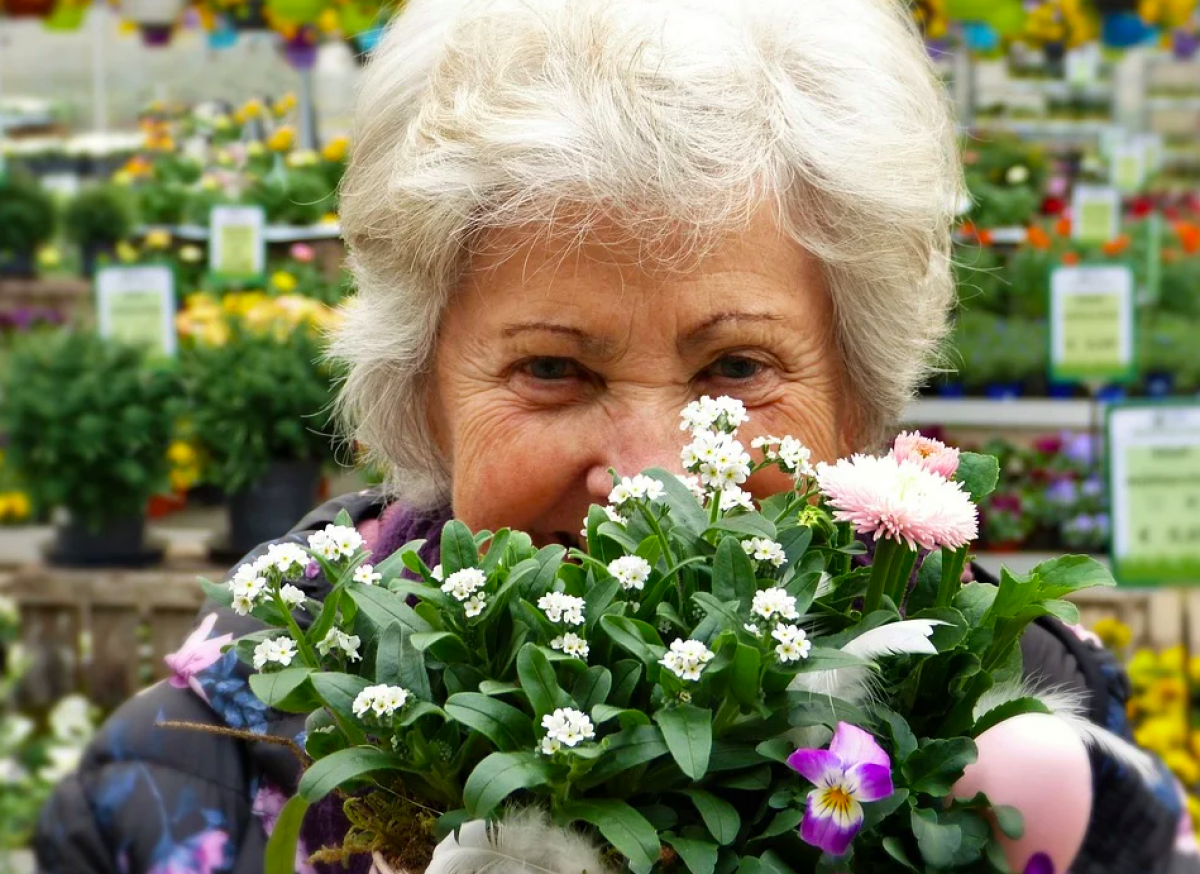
837 800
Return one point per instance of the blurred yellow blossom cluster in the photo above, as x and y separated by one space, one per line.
206 319
14 504
1165 685
186 468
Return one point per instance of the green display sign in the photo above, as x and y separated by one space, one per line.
1092 323
136 305
1154 485
237 246
1096 213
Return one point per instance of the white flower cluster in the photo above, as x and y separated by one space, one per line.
719 460
794 644
292 596
635 488
774 602
571 644
765 550
381 701
337 639
713 414
463 586
278 650
560 607
565 727
365 575
289 559
687 659
631 571
792 455
335 542
736 499
694 486
248 585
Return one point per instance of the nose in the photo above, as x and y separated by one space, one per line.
632 442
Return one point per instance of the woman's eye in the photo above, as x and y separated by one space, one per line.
734 367
551 369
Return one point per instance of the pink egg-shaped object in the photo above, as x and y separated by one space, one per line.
1039 765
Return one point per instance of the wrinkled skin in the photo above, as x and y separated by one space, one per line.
558 361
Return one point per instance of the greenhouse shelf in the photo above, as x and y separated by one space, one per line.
1038 414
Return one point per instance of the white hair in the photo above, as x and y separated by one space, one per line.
676 119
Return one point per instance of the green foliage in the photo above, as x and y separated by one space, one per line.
296 197
27 215
97 215
89 422
262 396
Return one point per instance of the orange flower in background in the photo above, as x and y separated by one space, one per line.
1038 238
1071 259
1189 237
1115 247
1062 227
984 237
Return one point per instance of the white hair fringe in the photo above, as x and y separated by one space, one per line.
673 120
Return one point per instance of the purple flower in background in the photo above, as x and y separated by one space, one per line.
198 652
1039 863
1080 448
854 769
204 853
268 804
1063 492
312 570
1092 488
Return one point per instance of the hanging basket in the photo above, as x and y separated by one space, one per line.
156 36
155 14
249 16
27 8
296 11
66 17
1185 44
1123 30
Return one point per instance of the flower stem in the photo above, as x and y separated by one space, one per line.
953 562
306 650
666 545
726 713
886 553
901 572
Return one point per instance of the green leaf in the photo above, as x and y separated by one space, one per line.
733 573
795 542
753 780
978 474
1007 711
688 732
288 691
496 549
635 637
777 749
700 857
685 510
592 687
496 688
335 771
720 817
974 600
784 821
285 837
499 776
539 682
327 618
746 525
394 565
402 663
626 674
1010 821
596 601
903 739
723 613
423 591
504 725
937 766
445 646
744 675
338 691
895 849
218 593
937 842
1064 611
602 713
822 659
458 548
624 750
1071 573
622 826
382 609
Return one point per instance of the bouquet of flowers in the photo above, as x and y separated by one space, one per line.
711 685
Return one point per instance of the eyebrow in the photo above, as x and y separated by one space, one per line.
596 346
704 332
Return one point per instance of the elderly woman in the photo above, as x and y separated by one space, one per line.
567 219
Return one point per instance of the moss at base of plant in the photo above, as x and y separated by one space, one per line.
392 826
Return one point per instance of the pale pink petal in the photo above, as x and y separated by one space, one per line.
815 765
856 747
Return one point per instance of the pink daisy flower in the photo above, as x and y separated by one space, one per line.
899 500
933 455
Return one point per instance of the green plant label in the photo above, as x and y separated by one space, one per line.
1082 65
1128 168
1097 213
1091 323
1152 153
136 305
1154 482
237 247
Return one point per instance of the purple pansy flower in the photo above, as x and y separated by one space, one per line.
854 769
1039 863
198 652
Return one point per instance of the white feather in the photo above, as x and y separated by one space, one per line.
524 841
1070 708
855 684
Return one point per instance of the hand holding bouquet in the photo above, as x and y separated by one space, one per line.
711 686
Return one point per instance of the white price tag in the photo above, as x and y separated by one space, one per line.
136 305
236 242
1095 213
1091 323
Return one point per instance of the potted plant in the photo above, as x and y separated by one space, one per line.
26 222
89 422
259 403
97 219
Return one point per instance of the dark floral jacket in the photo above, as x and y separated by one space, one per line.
149 799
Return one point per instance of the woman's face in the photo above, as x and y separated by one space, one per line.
558 361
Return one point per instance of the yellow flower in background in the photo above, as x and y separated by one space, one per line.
1114 633
1142 668
14 507
241 303
1193 806
1174 660
1184 766
183 478
284 281
330 218
191 254
1166 694
1194 743
222 122
224 158
255 149
48 257
285 104
123 178
252 109
127 28
335 150
303 158
328 21
282 139
182 454
1161 734
209 183
126 252
158 239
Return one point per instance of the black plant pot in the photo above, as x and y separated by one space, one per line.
118 543
269 507
91 253
17 265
